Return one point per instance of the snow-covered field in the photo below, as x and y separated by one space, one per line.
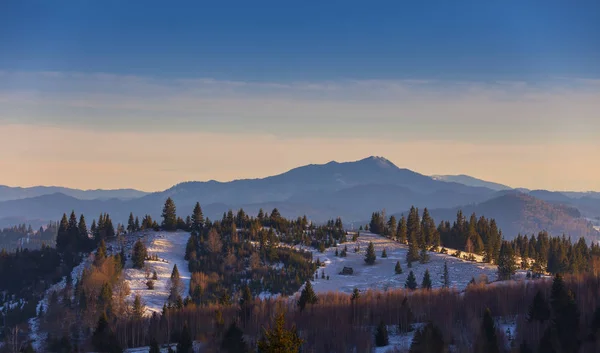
381 275
170 249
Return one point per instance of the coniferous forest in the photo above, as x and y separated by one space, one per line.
234 261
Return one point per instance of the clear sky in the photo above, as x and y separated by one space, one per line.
140 94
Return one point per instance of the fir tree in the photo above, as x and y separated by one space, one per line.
370 255
426 284
381 335
138 308
233 340
429 339
154 348
176 285
169 215
411 281
392 227
307 296
487 342
139 254
279 339
384 254
131 223
539 309
62 237
506 263
413 249
137 224
398 268
401 234
185 343
446 276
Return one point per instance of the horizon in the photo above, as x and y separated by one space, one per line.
101 97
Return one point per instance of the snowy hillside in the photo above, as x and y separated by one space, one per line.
170 249
381 275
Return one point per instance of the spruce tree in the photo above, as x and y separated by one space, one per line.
487 342
176 285
384 254
130 223
62 237
197 219
398 268
370 255
446 276
139 254
411 281
307 296
428 339
426 284
381 335
186 342
169 215
506 263
413 249
138 308
279 339
233 340
539 309
401 234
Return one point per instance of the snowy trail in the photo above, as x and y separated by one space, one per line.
170 249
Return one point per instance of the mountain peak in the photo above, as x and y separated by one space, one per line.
379 161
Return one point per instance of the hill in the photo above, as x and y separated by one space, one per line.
471 181
517 212
16 193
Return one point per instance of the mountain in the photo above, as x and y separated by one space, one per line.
321 191
516 212
470 181
17 193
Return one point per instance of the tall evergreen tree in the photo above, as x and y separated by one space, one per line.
507 265
370 255
429 339
279 339
139 254
411 281
83 233
62 237
381 335
565 317
413 249
176 285
131 223
169 215
186 342
392 226
307 296
487 342
426 284
446 276
402 233
138 308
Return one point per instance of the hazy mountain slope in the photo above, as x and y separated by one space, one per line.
521 213
471 181
16 193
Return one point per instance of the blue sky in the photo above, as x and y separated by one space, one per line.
280 40
507 91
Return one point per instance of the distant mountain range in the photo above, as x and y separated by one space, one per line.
351 190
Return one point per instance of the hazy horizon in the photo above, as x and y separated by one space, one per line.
99 97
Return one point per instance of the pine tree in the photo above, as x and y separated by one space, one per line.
197 219
487 342
426 284
392 227
154 348
139 254
176 285
384 254
233 340
62 237
446 276
411 281
185 343
381 335
370 255
131 223
402 233
506 263
169 215
307 296
138 308
398 268
83 232
413 249
539 309
429 339
137 224
279 339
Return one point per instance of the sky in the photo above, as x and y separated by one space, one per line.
140 94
